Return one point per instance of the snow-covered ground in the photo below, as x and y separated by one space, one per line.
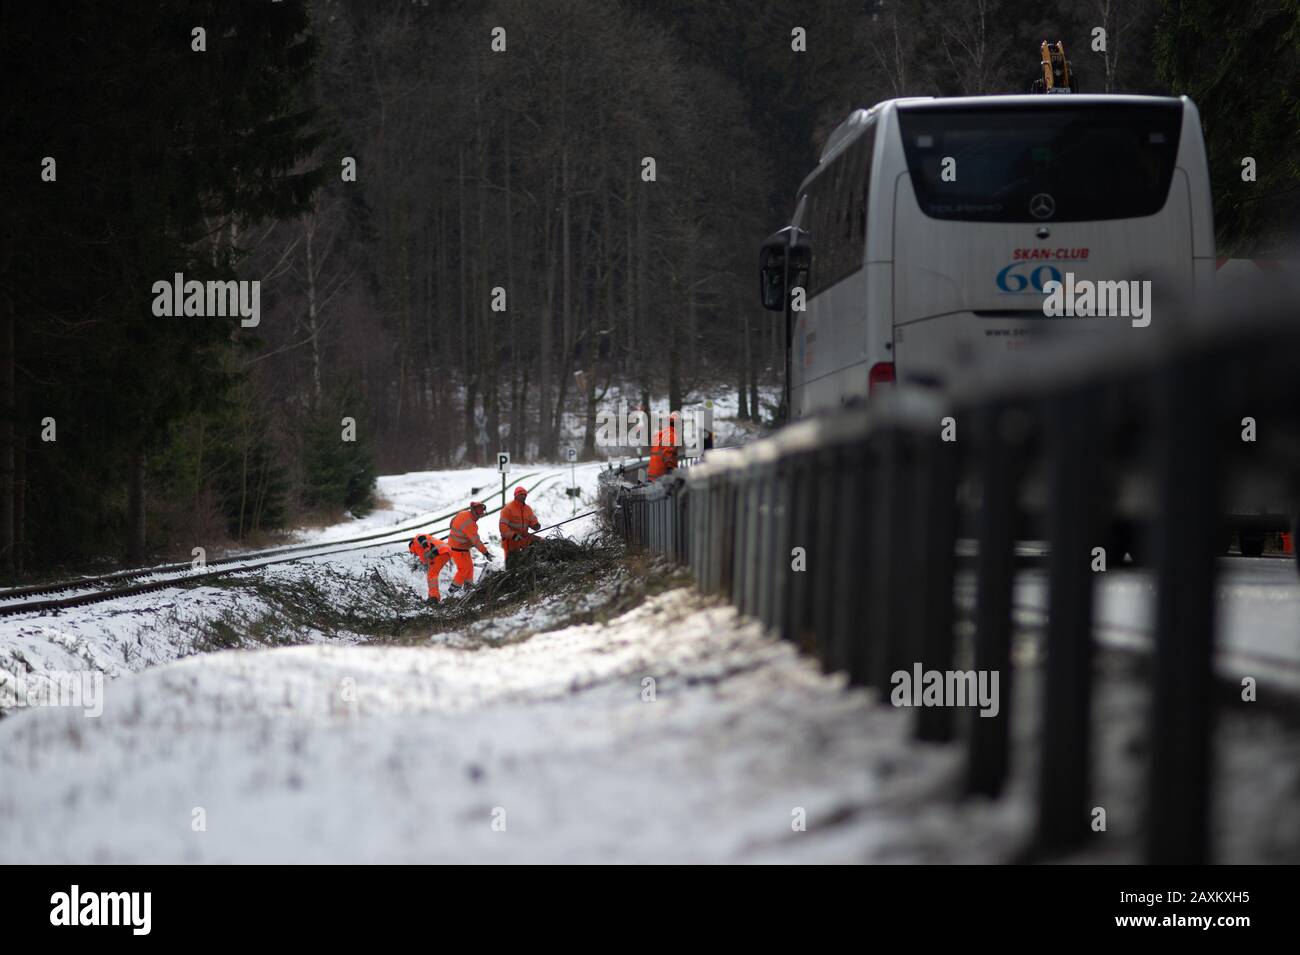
133 633
721 404
405 497
672 732
554 740
408 497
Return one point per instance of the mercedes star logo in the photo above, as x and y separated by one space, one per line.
1042 206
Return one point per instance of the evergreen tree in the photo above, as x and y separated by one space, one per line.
165 154
1240 62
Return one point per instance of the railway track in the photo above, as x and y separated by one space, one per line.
45 598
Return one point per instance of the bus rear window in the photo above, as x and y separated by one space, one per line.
1089 161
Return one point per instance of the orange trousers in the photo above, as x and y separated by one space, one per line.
435 568
464 567
513 546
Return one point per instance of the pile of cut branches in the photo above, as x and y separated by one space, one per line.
548 564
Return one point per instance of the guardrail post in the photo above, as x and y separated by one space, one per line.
744 541
815 635
850 620
736 491
672 510
1072 432
936 510
1000 433
683 525
727 535
669 506
695 519
657 522
655 509
679 522
663 524
908 533
659 510
715 542
765 576
712 542
783 511
892 557
798 517
1182 704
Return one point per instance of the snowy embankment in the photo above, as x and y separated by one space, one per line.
133 633
720 405
673 731
553 749
676 732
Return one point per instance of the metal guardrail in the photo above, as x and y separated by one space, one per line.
1092 439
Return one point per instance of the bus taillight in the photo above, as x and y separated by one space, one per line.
880 375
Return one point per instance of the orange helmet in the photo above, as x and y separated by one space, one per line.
477 508
521 492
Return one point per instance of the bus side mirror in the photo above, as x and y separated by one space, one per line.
771 271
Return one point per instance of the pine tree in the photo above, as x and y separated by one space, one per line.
164 154
1240 63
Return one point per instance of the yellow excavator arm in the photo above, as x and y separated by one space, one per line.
1056 70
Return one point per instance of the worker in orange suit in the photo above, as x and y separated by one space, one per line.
663 452
464 535
516 524
434 554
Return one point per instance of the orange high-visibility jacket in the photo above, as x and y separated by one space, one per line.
436 546
516 520
464 533
663 453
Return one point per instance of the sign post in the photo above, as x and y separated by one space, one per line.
503 465
572 454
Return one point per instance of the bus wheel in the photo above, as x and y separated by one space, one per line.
1252 543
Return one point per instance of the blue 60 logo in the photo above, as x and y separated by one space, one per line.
1010 280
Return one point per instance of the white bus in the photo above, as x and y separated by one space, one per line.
925 235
